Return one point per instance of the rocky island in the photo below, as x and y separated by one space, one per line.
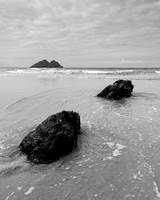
46 64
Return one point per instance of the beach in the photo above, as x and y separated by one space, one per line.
118 153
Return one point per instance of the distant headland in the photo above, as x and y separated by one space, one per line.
46 64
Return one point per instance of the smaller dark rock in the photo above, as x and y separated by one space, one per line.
53 138
118 90
41 64
54 64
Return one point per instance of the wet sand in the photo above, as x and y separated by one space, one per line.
118 152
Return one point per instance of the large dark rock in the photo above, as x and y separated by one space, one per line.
46 64
119 89
53 138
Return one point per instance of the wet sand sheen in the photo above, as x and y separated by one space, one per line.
118 154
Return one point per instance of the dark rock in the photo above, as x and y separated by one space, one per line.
41 64
54 64
119 89
46 64
53 138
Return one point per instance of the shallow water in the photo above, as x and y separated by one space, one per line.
117 155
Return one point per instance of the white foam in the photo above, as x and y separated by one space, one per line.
95 72
130 195
3 146
140 135
9 196
156 189
110 144
120 146
124 71
84 74
29 191
19 188
108 158
117 151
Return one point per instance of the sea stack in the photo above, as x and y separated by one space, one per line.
118 90
46 64
54 138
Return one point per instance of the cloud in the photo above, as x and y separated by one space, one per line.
75 29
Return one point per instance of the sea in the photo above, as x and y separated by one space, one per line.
118 152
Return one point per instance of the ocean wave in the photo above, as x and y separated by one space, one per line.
105 72
146 74
7 170
13 167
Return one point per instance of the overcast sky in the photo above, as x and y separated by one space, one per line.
80 33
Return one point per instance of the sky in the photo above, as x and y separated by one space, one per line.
80 33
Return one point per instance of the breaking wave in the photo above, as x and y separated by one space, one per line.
108 73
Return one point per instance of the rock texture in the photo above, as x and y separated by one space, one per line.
46 64
118 90
53 138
